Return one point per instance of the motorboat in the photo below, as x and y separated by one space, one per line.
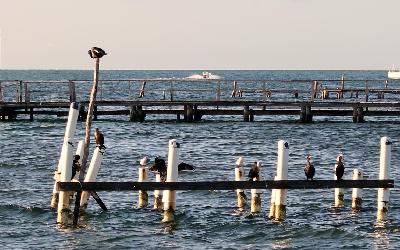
394 73
204 75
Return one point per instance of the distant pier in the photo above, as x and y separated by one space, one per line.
192 100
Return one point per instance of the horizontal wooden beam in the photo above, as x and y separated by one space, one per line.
222 185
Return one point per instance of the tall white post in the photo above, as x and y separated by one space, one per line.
68 138
339 192
79 151
240 176
91 174
172 176
158 196
256 193
143 197
63 210
357 192
384 174
272 205
281 174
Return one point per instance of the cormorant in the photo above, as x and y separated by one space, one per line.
309 169
254 172
339 167
76 167
96 52
99 138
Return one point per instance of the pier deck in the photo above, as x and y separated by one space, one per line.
192 100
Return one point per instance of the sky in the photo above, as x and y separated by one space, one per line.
203 35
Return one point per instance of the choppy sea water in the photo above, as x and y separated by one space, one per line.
205 219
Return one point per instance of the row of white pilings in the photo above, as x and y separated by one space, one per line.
163 200
61 200
279 196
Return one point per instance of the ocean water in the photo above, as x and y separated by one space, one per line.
29 153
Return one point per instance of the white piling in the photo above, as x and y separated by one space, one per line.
79 151
158 196
384 174
240 176
281 174
272 205
256 193
69 135
63 210
339 192
91 174
143 197
172 176
357 192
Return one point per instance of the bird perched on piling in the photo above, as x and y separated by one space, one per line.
339 167
254 172
309 169
160 167
96 52
99 138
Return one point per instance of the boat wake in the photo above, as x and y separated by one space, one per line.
204 75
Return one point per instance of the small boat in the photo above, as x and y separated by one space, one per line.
204 75
394 73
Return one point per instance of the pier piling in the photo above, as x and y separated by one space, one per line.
282 174
357 192
169 196
143 197
384 173
239 176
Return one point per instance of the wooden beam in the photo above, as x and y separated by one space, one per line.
222 185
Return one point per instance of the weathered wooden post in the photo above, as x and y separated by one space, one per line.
341 87
384 174
218 93
1 92
143 197
68 139
339 192
27 93
246 113
95 53
240 176
72 93
281 174
169 197
256 193
141 94
357 192
91 174
234 91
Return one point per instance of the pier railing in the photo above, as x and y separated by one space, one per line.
23 91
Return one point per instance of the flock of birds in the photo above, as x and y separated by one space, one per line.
309 169
160 165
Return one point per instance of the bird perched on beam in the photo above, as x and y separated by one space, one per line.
339 171
99 138
309 169
254 172
96 52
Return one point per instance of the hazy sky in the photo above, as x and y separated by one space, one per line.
206 34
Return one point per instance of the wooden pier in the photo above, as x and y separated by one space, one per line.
222 185
192 100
